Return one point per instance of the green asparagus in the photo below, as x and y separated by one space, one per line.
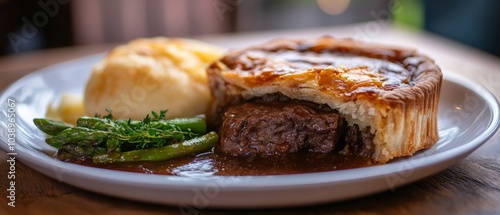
192 146
50 127
107 137
82 136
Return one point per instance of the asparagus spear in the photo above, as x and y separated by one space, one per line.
72 150
95 123
82 136
192 146
50 127
196 124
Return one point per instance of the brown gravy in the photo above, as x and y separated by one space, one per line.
211 163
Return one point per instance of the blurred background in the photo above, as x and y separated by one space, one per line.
27 25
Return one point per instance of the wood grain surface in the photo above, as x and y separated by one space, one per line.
472 186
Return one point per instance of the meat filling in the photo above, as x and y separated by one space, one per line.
275 125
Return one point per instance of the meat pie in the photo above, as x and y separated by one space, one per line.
325 95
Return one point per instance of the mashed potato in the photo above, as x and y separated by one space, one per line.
151 75
69 108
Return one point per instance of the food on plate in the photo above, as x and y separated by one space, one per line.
325 95
284 107
109 140
152 74
68 109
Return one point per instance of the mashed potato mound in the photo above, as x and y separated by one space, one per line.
151 75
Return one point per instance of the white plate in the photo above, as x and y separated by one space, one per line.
468 116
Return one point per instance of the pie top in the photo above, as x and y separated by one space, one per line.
344 68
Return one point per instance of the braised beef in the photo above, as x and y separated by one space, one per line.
269 128
358 142
275 125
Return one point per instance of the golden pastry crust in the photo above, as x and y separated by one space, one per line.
391 90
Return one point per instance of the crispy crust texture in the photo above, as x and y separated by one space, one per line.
395 93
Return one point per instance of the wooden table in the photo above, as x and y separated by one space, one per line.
470 187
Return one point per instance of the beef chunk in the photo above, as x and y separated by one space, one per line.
273 127
358 142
